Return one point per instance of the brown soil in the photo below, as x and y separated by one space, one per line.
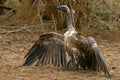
14 46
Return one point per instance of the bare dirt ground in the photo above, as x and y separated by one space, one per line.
14 46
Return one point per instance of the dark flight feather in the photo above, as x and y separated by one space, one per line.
47 49
93 59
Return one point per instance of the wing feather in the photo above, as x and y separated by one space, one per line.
63 56
44 56
47 49
101 63
93 58
32 57
41 54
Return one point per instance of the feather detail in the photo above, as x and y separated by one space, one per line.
47 49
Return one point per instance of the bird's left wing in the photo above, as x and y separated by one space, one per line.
100 63
94 59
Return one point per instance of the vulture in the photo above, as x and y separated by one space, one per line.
69 51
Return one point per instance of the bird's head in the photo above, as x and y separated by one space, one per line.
64 8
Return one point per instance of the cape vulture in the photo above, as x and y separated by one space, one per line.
71 50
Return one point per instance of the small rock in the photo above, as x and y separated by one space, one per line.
113 67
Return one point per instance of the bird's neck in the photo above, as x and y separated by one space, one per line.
69 22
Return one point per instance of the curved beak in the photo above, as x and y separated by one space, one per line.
59 7
63 8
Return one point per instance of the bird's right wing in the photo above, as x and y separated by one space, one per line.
47 49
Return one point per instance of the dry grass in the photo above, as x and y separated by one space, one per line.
89 15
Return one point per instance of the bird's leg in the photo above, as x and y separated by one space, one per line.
76 61
69 61
71 64
68 65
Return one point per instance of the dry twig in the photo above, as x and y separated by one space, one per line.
7 48
17 30
54 22
7 15
4 7
40 15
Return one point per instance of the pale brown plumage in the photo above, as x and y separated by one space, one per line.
71 50
83 50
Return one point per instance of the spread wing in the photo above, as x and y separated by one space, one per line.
99 62
47 49
90 56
